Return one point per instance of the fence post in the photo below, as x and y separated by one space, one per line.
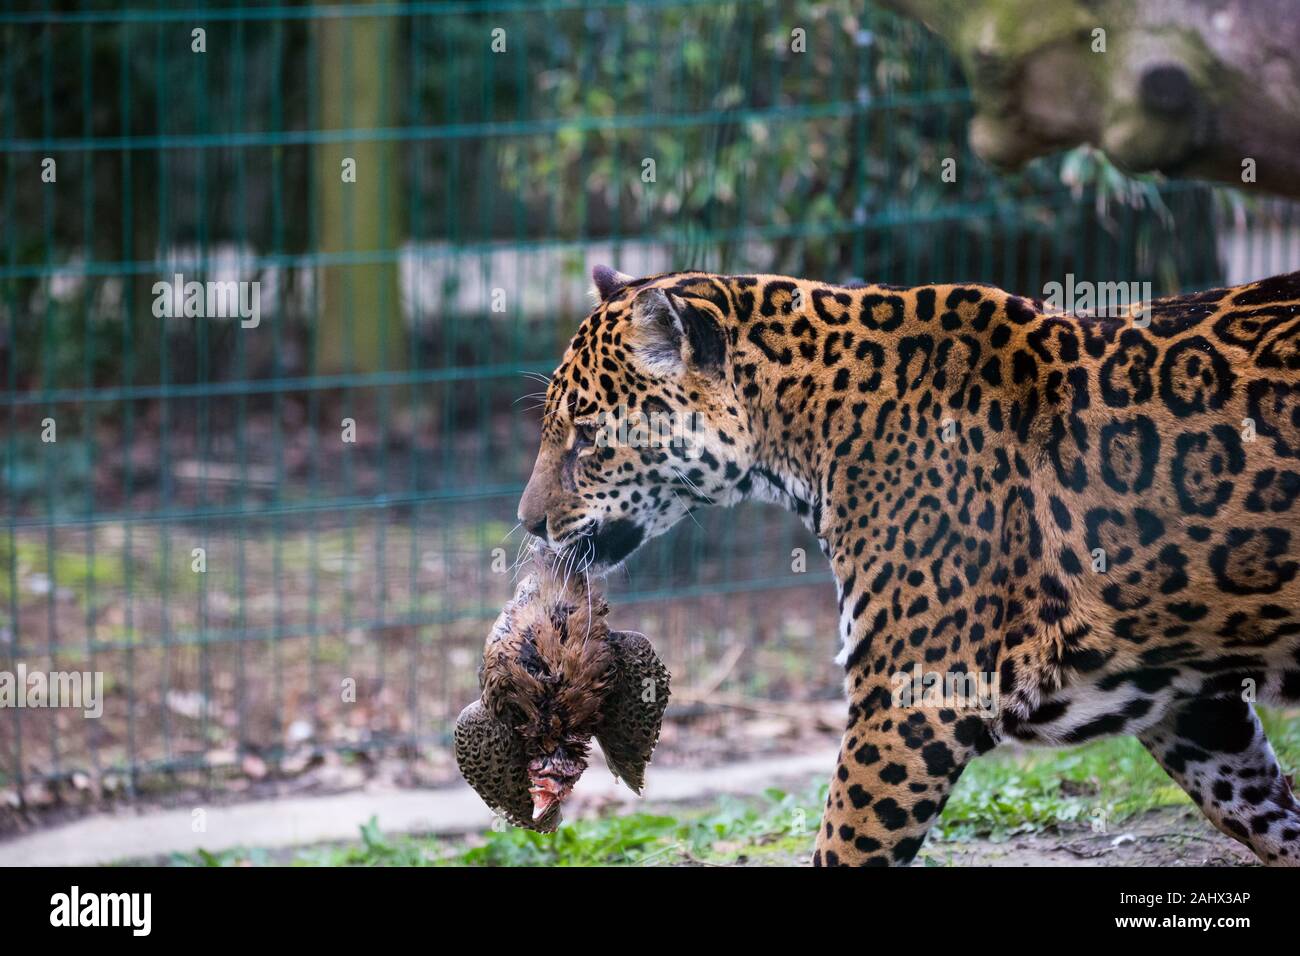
359 327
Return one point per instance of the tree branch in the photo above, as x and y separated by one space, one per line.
1198 88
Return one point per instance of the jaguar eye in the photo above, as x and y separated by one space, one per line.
584 435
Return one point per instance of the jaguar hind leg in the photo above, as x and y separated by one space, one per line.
1217 751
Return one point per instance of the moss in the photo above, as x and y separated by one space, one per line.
71 569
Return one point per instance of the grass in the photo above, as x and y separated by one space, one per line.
998 796
1113 779
74 570
735 828
1001 797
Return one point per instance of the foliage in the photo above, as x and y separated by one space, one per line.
823 163
633 839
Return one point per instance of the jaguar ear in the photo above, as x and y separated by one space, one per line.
609 282
671 334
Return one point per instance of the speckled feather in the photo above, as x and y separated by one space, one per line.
491 758
634 708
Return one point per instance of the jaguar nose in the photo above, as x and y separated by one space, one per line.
539 528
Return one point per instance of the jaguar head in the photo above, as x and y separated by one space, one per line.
642 420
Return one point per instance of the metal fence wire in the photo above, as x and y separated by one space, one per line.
276 514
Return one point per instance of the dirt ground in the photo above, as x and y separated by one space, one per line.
1177 837
1169 837
1166 837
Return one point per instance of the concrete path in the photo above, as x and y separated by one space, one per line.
300 821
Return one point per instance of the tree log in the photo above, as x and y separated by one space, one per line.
1190 88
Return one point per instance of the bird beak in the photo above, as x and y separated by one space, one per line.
550 782
546 793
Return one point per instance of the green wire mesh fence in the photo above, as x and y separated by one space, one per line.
276 514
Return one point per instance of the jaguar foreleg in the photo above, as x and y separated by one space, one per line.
897 767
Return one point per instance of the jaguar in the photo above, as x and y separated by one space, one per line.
1089 518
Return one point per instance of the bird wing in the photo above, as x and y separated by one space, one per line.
633 711
491 758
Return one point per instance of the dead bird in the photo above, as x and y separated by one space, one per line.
554 676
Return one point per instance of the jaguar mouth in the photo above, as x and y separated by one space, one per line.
603 549
599 548
615 540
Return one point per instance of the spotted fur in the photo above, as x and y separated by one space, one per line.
1095 514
